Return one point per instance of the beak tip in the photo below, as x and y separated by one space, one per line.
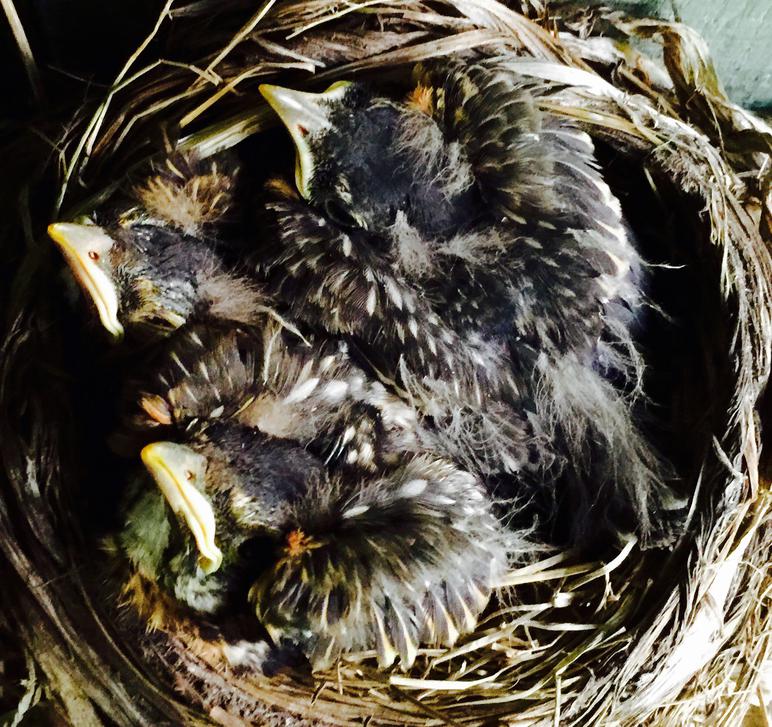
55 232
210 564
148 454
269 92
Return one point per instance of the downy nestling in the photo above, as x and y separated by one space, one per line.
153 263
265 376
465 243
340 557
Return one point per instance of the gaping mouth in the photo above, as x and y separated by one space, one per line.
172 465
305 115
82 245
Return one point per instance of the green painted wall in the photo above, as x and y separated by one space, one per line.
739 33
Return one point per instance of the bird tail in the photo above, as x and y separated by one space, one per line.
612 472
408 559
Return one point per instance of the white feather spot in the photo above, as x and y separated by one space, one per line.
623 267
217 412
442 500
346 245
348 435
335 390
179 363
366 452
301 391
371 300
393 292
413 488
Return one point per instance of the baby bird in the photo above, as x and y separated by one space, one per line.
344 554
152 267
265 377
466 243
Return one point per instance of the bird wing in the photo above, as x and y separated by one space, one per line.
265 377
576 283
401 561
530 162
533 166
316 395
337 281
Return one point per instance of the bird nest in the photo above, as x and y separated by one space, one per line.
626 636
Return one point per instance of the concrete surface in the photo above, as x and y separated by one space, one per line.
739 33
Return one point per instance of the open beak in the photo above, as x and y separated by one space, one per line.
83 245
172 467
305 115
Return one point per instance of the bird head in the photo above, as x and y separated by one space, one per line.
228 485
138 276
363 159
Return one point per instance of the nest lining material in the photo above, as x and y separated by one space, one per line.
667 638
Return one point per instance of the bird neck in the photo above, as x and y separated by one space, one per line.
224 295
436 213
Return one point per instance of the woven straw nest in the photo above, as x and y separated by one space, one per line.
660 637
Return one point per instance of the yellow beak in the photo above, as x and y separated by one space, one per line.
83 246
305 115
174 467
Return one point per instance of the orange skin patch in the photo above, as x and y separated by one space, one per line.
281 187
157 409
421 98
298 543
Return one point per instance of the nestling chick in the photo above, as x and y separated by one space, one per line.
467 244
152 267
404 558
380 545
206 574
267 378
